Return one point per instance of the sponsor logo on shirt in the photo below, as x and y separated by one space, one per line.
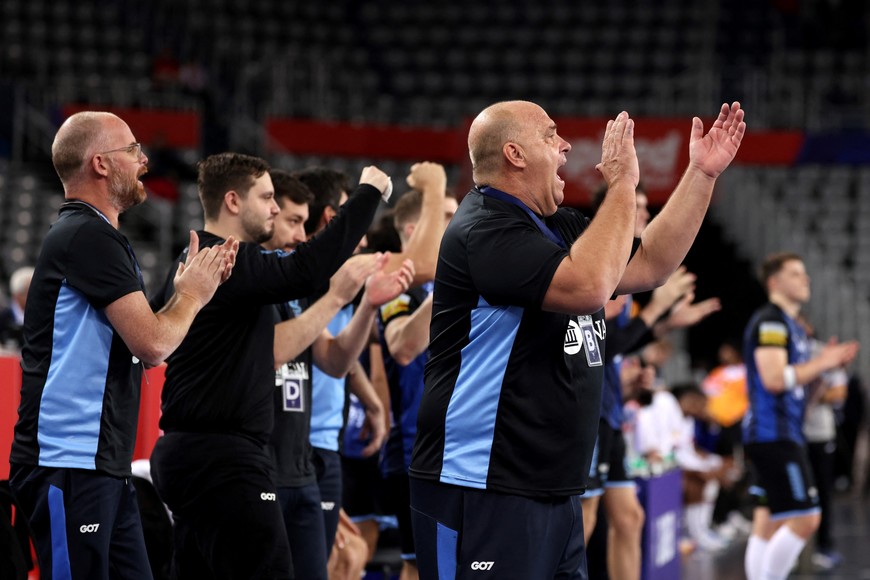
572 338
482 565
584 334
89 528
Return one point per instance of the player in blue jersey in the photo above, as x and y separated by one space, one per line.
328 393
778 365
510 409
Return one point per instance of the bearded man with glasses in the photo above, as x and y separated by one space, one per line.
88 333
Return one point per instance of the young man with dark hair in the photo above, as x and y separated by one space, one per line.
301 338
213 467
778 366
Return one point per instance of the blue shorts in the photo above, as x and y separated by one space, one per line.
463 533
85 524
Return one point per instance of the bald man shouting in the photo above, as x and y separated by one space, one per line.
510 410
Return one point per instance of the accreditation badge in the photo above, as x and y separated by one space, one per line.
590 341
293 377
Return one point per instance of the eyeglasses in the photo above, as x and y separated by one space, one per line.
135 149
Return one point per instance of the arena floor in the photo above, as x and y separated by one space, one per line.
851 534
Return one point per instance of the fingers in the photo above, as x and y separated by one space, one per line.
623 128
427 175
373 176
697 129
362 266
411 179
710 305
618 155
192 247
730 120
212 260
407 273
382 260
231 250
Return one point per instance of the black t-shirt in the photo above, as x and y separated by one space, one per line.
513 392
292 403
221 377
80 383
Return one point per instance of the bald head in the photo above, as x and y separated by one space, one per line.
77 140
491 129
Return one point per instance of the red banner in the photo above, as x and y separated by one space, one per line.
374 141
151 126
662 145
662 153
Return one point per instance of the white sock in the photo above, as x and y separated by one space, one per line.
707 514
711 492
781 554
755 549
694 520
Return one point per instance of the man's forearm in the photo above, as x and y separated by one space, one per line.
344 349
422 246
293 336
329 249
363 388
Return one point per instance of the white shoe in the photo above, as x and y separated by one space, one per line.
710 541
727 531
738 521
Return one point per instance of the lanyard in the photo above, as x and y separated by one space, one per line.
551 235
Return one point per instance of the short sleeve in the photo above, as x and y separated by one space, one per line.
772 333
395 308
511 261
101 265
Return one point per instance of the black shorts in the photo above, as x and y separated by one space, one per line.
221 490
362 486
398 501
465 534
781 479
303 518
85 524
327 464
608 462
